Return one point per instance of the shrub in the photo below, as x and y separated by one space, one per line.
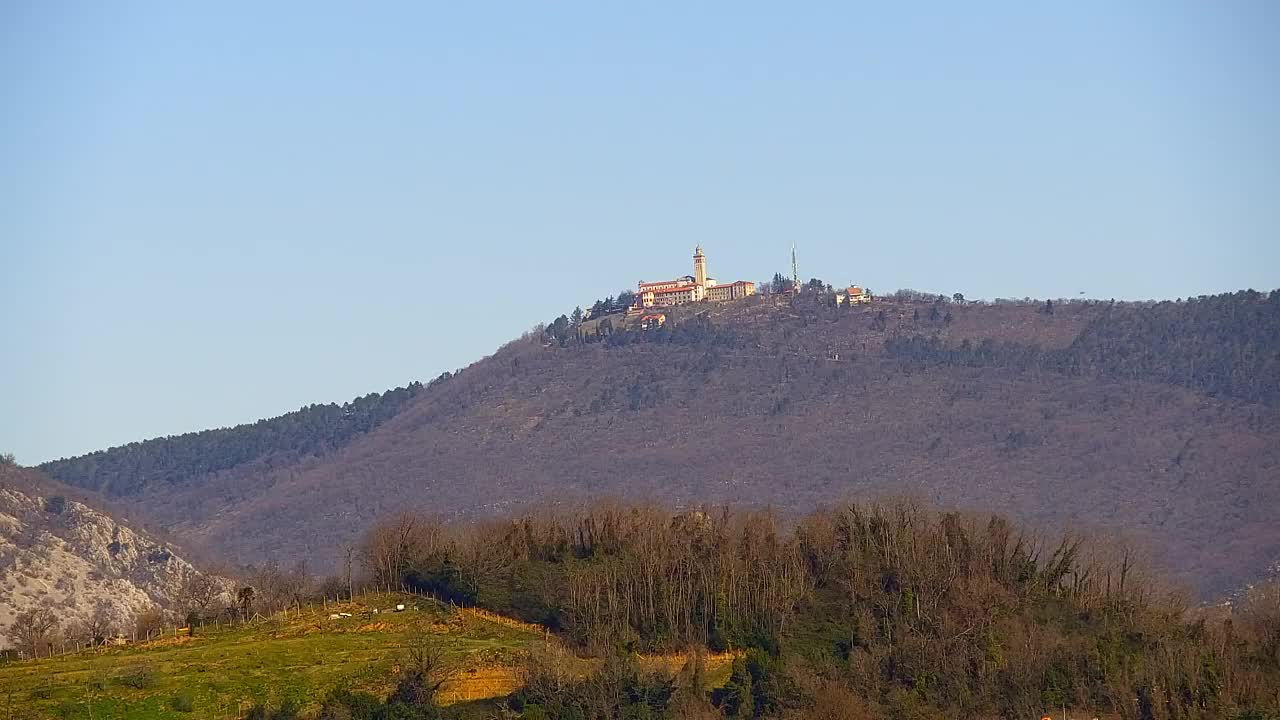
343 704
182 702
288 710
138 677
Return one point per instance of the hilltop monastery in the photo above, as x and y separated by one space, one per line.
690 288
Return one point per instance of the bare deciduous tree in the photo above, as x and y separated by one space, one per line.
200 592
425 672
34 630
392 546
148 622
103 623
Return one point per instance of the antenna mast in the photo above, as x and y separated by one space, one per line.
795 273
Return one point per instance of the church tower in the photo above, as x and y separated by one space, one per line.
699 273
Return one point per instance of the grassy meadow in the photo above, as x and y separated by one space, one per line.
300 656
297 656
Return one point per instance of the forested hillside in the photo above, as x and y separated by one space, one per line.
312 430
1223 344
1157 421
858 611
1227 345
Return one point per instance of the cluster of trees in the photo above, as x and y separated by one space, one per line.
903 610
609 305
202 598
42 630
696 330
566 327
620 689
565 330
780 283
313 430
34 631
1224 344
908 295
776 285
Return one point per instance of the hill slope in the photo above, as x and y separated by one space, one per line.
300 656
1125 418
59 553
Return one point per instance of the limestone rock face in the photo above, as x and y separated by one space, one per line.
65 555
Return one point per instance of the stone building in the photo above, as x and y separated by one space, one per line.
691 288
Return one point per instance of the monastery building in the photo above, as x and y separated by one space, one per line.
690 288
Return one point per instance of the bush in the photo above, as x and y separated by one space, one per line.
139 677
288 710
182 702
343 704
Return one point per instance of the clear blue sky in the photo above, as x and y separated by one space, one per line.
214 214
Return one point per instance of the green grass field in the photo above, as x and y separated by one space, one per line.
299 657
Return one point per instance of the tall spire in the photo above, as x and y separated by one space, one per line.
795 272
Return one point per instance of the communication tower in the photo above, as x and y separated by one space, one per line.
795 272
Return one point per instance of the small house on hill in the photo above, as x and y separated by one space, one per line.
653 322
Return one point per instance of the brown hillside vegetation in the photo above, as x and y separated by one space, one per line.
894 608
1051 417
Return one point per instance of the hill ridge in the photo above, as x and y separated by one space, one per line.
795 403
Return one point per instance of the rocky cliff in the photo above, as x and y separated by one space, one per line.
60 553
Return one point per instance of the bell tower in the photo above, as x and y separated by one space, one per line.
699 268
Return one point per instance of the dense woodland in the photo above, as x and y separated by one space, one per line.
312 430
1225 345
872 610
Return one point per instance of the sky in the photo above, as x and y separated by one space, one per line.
216 212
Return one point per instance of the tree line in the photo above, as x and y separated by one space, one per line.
312 430
691 330
1223 345
901 610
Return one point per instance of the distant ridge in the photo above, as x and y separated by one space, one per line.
308 431
1158 420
